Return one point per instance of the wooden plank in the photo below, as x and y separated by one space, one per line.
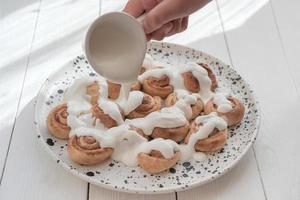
97 193
244 179
234 185
31 173
17 25
257 53
287 19
29 170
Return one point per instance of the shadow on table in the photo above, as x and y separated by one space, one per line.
29 165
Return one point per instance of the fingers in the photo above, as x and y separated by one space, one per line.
134 8
164 17
164 12
180 26
171 28
138 7
162 32
150 4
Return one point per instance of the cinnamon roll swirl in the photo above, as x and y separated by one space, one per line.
138 131
233 116
136 86
93 91
57 122
157 86
176 134
191 83
85 150
149 104
196 108
105 119
155 162
113 90
214 142
211 75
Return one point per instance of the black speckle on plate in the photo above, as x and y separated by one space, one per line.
172 170
90 173
186 164
111 164
50 142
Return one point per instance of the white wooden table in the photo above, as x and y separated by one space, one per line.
260 38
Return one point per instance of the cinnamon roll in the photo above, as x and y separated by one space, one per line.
113 90
149 104
155 162
176 134
93 91
211 75
192 84
233 116
138 131
57 122
85 150
105 119
196 108
214 142
157 86
136 86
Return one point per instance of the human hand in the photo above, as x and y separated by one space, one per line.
163 17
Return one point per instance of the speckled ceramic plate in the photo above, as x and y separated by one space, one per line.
115 175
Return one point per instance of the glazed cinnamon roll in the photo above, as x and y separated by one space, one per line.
105 119
149 104
113 90
211 75
196 108
176 134
214 142
85 150
192 84
155 162
57 122
136 86
93 91
157 86
138 131
232 116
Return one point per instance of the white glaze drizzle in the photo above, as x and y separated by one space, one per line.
78 102
112 109
209 123
176 80
127 143
135 98
223 104
185 102
165 118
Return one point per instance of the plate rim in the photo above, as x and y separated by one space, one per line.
175 188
